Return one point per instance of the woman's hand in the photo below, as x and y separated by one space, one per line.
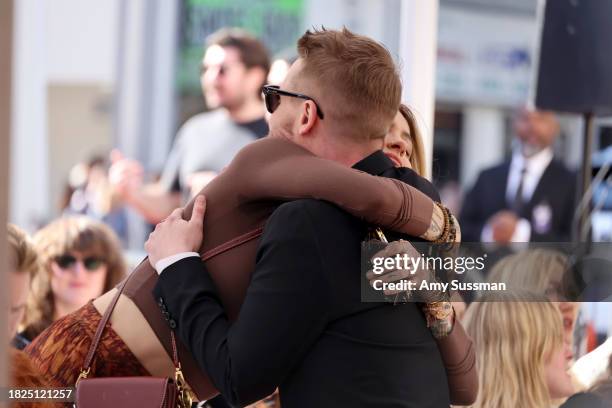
410 268
438 311
174 235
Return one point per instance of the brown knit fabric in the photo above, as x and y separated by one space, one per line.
25 375
60 350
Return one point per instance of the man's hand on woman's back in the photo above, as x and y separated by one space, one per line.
175 235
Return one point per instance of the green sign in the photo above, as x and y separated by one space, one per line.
278 23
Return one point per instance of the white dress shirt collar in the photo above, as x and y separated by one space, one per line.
535 167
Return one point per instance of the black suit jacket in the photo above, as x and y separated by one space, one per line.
555 194
302 326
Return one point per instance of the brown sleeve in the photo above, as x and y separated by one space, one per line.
277 169
458 355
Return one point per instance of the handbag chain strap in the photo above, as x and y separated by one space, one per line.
184 392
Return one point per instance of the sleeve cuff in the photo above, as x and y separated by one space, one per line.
162 264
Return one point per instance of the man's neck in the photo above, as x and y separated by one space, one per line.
339 148
349 156
249 111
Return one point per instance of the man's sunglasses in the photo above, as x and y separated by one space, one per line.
68 261
272 94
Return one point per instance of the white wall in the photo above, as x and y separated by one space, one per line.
417 50
81 40
99 51
144 111
483 131
56 42
29 195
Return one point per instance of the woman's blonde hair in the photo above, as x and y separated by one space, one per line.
514 336
532 269
21 251
417 158
64 235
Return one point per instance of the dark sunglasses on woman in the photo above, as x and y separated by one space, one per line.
272 98
68 261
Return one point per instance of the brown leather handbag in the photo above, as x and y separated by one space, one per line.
124 392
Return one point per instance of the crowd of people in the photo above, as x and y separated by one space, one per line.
254 261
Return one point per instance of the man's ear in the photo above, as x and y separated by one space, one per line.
308 118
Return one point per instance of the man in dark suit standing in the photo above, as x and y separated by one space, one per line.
530 198
303 327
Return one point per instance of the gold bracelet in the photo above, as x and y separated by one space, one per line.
452 231
439 310
443 238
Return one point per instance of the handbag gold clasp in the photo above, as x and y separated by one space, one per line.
381 235
184 394
82 375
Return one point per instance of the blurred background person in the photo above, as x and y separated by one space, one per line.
234 68
23 266
529 198
521 356
89 192
541 271
280 66
80 259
